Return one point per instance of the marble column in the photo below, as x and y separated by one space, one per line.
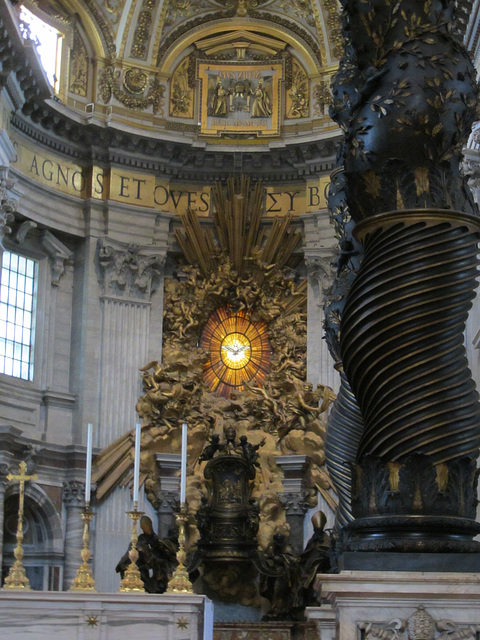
319 251
168 498
74 500
294 497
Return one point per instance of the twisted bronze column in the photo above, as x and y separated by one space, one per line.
416 433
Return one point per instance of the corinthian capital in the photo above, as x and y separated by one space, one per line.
321 269
129 271
74 493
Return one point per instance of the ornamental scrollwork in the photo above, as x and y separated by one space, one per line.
135 81
419 625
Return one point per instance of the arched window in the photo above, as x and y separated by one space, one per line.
43 561
48 41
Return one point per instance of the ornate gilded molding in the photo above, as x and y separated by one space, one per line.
419 625
297 103
322 96
143 30
334 26
104 28
114 8
78 66
126 272
135 81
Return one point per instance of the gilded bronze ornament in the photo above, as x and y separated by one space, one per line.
84 580
17 578
241 264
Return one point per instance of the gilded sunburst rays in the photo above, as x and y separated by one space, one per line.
238 351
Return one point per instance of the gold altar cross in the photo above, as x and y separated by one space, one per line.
17 578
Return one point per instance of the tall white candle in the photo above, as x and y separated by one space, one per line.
183 467
136 468
88 464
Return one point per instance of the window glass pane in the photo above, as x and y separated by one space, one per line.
16 369
29 285
16 315
20 301
22 264
18 335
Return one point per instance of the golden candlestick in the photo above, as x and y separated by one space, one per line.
132 581
180 582
84 580
17 578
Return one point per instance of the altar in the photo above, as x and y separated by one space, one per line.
43 615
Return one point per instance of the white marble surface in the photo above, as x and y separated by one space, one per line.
360 598
325 620
88 616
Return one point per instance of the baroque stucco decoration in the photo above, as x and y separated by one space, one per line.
246 267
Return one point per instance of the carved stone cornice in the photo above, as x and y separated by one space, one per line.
58 254
128 271
74 493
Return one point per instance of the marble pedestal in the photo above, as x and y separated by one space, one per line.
394 605
47 615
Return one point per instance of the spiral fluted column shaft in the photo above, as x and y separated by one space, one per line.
402 337
344 430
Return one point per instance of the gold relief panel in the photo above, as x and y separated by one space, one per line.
181 95
78 66
240 98
297 102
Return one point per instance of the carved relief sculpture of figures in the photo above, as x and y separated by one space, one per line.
218 105
262 104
